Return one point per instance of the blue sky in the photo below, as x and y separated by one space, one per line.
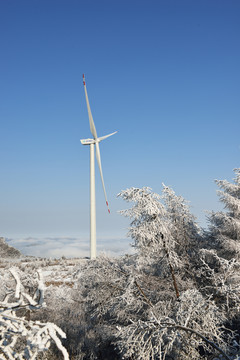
165 74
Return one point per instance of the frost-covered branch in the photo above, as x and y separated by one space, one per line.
184 328
166 331
21 338
221 279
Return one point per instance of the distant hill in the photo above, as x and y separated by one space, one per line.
7 251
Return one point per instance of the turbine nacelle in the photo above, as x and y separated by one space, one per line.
88 141
94 141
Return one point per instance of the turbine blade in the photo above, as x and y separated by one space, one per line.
100 169
106 136
91 122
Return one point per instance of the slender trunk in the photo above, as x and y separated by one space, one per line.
174 280
170 266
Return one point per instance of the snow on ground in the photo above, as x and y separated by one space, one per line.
55 272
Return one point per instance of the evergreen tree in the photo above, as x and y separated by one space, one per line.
150 227
225 226
184 228
162 226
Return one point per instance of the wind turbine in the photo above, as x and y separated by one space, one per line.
94 143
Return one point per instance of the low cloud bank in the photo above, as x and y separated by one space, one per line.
56 247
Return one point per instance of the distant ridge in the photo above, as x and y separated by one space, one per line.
7 251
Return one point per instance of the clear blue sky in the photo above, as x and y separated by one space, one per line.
165 74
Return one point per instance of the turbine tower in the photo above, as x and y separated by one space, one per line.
93 143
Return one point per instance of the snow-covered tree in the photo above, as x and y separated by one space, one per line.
225 226
152 231
184 228
175 331
220 279
133 315
149 220
163 229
